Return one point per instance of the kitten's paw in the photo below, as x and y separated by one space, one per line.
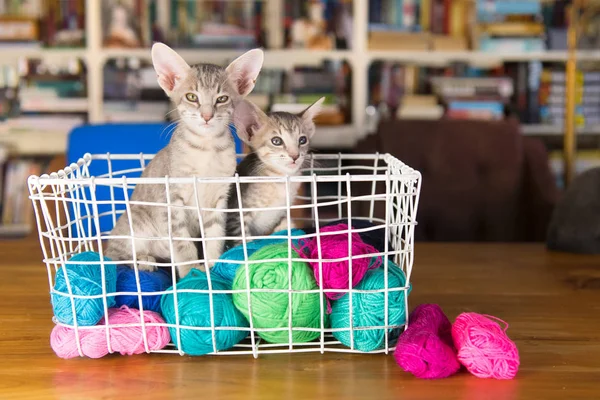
142 261
183 270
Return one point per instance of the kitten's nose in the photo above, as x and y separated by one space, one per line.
207 117
295 156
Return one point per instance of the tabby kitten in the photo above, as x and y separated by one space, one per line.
201 146
279 144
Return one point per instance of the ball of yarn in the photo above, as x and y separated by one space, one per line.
126 340
150 282
375 237
194 311
425 348
484 348
271 309
368 310
336 273
85 280
226 270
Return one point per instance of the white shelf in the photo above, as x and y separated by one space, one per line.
13 54
556 130
61 106
94 55
476 57
35 143
284 58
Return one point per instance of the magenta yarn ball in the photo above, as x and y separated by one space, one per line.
336 274
425 349
484 348
127 340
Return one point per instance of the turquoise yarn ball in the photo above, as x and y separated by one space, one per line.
85 280
368 309
194 311
226 270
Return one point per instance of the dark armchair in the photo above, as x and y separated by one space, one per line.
482 181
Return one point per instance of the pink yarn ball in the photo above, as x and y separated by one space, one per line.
126 340
425 349
336 273
484 348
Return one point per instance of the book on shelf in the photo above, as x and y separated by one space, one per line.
475 109
41 123
419 107
398 40
492 10
455 87
512 28
511 44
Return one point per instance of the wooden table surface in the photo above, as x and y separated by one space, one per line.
551 301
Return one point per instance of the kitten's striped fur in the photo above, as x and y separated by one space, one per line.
267 158
201 146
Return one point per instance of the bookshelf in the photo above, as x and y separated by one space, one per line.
94 55
53 141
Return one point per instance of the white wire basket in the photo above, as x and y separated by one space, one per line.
77 207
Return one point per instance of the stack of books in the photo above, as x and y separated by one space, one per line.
509 26
553 97
474 98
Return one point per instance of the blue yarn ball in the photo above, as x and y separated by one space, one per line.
157 281
227 270
368 310
194 311
85 280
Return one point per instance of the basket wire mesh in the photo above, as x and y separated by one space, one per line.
76 208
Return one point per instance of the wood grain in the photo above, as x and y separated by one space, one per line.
551 301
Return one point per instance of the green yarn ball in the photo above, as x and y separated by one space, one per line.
368 309
194 311
271 309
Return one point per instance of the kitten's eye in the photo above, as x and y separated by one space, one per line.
191 97
303 140
222 99
277 141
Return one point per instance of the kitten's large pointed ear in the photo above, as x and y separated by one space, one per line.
312 111
169 67
244 70
247 119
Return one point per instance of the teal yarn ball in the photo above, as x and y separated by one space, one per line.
85 280
194 311
271 309
226 270
368 309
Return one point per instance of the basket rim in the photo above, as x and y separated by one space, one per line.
405 172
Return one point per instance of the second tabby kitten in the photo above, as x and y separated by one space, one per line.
279 143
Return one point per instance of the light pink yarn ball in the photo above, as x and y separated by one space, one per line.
126 340
484 348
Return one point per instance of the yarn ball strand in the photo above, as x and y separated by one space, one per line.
368 315
484 348
270 309
150 282
425 348
127 340
194 312
374 237
85 280
336 273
